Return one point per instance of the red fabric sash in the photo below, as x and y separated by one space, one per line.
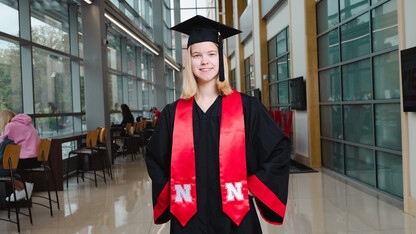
182 172
233 173
232 152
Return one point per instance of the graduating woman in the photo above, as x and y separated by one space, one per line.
215 148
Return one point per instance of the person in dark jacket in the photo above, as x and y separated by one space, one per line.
127 116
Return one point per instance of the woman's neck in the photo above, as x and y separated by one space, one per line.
206 94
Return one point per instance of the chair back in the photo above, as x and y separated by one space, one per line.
103 135
43 149
154 121
144 123
99 130
128 126
133 128
92 137
11 152
138 127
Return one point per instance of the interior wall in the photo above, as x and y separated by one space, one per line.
278 21
298 58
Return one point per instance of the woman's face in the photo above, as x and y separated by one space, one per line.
204 61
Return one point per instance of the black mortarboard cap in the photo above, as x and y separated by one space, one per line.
202 29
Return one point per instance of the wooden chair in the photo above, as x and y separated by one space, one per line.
10 162
127 147
102 147
90 150
138 137
46 170
154 122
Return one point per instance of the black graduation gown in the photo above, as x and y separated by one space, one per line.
267 156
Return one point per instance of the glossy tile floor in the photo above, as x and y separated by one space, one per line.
318 203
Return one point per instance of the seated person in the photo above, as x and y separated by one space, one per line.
127 118
156 113
139 118
19 129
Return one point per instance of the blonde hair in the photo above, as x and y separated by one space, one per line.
190 86
5 117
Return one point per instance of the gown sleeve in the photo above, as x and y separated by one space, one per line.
271 149
158 153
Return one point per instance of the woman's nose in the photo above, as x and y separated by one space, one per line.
203 60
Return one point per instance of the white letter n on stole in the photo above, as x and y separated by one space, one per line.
234 192
183 193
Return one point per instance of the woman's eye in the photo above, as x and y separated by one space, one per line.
212 54
196 56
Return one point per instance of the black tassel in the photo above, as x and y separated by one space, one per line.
221 58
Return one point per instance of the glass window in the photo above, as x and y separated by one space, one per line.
54 126
131 93
273 95
330 85
281 43
355 37
115 2
147 66
116 117
131 60
271 45
331 119
282 68
139 94
9 17
386 76
390 173
233 80
147 12
80 38
82 86
327 14
360 164
358 123
187 14
114 52
333 156
273 71
188 3
373 2
283 92
365 73
50 23
384 26
249 74
130 2
146 91
116 92
10 76
206 3
52 81
328 45
350 8
388 126
356 81
207 12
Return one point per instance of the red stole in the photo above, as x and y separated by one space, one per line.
232 152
